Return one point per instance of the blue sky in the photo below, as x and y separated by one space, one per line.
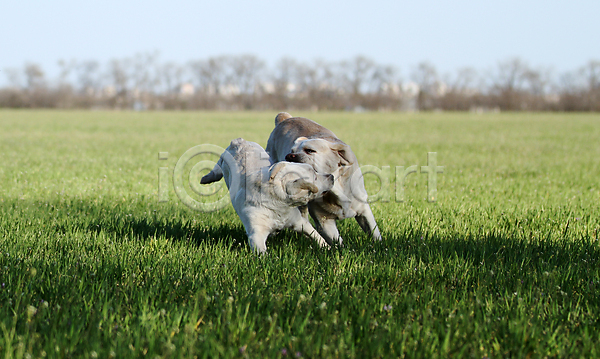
562 35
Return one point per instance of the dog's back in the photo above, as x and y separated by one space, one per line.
240 157
288 129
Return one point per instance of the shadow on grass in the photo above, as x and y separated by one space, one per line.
231 234
142 221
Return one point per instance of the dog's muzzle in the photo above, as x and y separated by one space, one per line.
292 157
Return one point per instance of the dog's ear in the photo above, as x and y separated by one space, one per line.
295 189
304 184
344 153
275 169
300 139
282 116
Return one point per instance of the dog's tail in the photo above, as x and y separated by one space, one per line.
214 175
282 116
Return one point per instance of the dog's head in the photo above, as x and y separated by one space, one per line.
324 156
298 183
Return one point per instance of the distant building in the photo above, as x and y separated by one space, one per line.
187 89
110 91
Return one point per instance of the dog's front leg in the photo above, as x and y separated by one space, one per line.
329 230
366 221
257 238
305 227
325 226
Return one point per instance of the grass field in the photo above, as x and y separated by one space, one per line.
506 262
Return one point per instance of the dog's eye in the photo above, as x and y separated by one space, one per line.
308 150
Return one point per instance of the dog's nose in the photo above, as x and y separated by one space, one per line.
291 157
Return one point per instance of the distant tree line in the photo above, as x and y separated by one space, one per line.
236 82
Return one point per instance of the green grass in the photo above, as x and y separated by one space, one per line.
506 263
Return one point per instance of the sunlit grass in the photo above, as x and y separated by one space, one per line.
504 264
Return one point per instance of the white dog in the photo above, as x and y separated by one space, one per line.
266 196
298 139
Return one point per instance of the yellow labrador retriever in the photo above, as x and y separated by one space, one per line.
266 197
298 139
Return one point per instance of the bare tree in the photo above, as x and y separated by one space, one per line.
66 68
37 94
15 80
247 72
570 92
463 91
64 91
244 82
144 80
383 89
119 76
536 81
142 76
537 85
507 83
426 76
465 80
34 77
357 73
286 70
170 77
319 86
169 82
591 75
88 76
382 79
13 96
511 74
210 74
